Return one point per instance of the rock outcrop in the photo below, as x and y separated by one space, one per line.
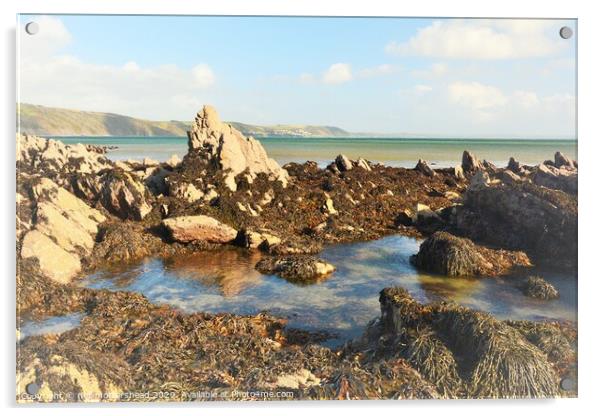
522 216
37 155
470 163
229 150
199 228
63 230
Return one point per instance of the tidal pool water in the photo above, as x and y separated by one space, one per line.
52 325
226 281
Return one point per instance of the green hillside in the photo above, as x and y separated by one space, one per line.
50 121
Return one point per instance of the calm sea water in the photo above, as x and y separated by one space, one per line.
342 304
391 151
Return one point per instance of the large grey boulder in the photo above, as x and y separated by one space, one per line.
230 150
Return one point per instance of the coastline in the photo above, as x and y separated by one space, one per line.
165 209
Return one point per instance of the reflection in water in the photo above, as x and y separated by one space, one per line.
226 281
53 325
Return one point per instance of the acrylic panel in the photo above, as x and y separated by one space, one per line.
218 208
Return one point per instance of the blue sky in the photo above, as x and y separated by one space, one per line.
456 78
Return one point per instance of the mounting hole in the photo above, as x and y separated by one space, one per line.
566 32
32 389
567 384
32 28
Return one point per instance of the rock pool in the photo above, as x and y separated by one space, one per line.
343 304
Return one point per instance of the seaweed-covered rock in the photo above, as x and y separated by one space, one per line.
187 229
229 150
295 268
464 353
537 287
446 254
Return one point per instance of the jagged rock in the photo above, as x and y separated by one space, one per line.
556 178
148 162
363 164
229 150
64 228
514 166
536 287
199 228
124 195
508 176
295 268
48 156
423 167
561 160
489 166
470 163
343 163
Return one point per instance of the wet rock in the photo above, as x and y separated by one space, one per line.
343 163
470 163
537 287
423 167
229 150
439 339
199 228
446 254
298 269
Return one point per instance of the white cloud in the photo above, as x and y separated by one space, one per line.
422 89
526 99
337 74
481 99
483 39
59 80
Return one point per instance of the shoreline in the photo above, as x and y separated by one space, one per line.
134 210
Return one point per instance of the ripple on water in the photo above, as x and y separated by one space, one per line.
227 281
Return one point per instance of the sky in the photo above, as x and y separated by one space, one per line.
439 77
